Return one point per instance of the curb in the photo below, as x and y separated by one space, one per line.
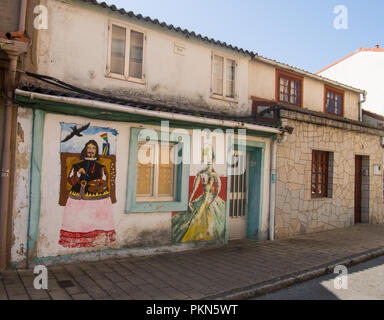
294 278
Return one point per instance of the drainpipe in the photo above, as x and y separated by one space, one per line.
19 33
361 105
5 169
272 191
6 161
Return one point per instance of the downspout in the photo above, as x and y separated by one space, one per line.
272 186
19 33
6 152
361 105
6 162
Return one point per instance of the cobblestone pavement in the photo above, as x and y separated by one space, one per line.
195 274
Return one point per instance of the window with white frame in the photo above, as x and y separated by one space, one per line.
223 76
156 172
126 52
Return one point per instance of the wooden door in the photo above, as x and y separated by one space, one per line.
358 183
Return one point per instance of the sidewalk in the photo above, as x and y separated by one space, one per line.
236 271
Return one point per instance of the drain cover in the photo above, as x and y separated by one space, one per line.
66 283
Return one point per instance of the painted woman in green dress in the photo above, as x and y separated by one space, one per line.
205 218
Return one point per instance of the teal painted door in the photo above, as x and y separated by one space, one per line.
255 193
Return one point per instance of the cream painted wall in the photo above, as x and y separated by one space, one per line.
262 83
262 80
75 48
364 71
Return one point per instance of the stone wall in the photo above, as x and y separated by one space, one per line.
296 210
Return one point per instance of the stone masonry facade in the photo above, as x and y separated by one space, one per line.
296 211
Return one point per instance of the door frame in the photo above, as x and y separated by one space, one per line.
358 187
244 219
256 151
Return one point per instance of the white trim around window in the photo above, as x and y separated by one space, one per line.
125 60
224 77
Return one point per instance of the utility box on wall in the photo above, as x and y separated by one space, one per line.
377 169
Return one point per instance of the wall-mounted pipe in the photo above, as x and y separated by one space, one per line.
272 191
156 114
7 149
19 33
361 106
6 163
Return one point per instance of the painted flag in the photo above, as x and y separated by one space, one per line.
105 137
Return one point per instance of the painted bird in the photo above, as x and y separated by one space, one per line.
76 132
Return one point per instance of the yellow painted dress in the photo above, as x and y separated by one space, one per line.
207 219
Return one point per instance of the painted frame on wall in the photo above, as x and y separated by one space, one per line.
132 205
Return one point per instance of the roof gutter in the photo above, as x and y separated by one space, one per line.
150 113
307 74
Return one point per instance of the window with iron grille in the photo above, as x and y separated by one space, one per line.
321 181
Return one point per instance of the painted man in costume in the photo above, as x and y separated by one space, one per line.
88 214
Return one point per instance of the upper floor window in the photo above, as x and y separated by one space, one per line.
223 76
289 88
126 53
334 101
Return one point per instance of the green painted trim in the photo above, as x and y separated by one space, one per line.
109 115
132 206
35 183
260 236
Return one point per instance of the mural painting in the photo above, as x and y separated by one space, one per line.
205 217
87 188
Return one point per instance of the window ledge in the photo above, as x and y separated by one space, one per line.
218 97
321 198
163 206
290 104
124 78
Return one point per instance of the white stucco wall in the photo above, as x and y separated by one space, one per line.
75 48
363 70
142 233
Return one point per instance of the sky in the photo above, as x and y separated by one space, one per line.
300 33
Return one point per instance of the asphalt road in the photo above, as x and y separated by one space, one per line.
365 282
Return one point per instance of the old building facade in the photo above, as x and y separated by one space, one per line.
250 150
329 169
100 86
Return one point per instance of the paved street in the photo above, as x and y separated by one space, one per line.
195 274
365 282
